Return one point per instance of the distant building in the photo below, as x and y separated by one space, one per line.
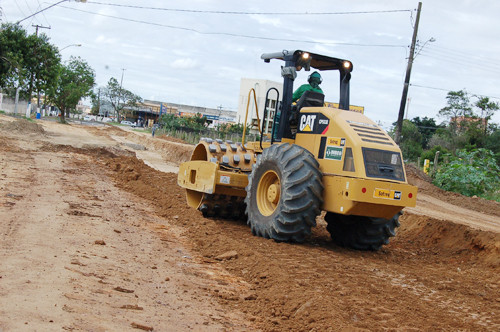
261 87
151 110
462 121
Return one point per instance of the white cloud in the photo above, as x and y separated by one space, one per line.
101 39
185 64
267 20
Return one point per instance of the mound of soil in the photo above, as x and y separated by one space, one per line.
449 240
171 139
22 126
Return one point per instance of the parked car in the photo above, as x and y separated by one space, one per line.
127 123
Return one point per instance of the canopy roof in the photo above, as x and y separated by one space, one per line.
305 59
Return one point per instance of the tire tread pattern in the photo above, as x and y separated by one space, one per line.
301 193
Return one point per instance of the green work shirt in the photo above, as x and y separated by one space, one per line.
303 88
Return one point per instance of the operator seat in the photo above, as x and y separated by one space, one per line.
308 99
311 99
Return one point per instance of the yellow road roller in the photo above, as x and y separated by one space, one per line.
315 158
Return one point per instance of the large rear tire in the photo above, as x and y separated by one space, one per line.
284 193
361 233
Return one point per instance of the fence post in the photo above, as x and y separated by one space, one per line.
436 158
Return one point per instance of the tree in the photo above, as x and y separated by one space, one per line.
458 107
75 80
487 108
96 103
43 64
27 61
13 51
118 97
427 127
492 142
411 141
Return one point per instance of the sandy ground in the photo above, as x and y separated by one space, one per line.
96 236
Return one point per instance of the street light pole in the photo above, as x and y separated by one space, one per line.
65 47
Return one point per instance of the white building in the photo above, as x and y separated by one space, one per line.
261 87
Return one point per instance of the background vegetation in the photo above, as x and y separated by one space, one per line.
468 142
191 129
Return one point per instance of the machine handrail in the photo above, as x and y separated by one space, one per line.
265 115
246 115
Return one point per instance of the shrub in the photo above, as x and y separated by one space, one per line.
430 154
470 173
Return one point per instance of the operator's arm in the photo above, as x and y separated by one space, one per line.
299 92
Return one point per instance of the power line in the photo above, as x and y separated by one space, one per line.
461 63
234 34
55 4
441 89
465 54
249 13
43 14
19 8
468 59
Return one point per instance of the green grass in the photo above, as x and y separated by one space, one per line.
493 196
142 130
2 112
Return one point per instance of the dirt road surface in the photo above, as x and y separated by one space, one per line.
95 235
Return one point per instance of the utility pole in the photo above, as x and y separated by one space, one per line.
32 74
402 107
121 82
99 101
119 94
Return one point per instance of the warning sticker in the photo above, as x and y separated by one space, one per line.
225 179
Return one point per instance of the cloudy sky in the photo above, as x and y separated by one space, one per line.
196 51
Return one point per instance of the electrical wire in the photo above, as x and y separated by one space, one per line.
248 13
27 5
466 58
446 90
234 34
465 54
461 63
15 1
43 13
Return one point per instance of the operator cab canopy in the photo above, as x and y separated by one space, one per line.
298 59
303 59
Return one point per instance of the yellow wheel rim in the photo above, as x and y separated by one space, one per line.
268 193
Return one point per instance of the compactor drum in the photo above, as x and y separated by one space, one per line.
317 158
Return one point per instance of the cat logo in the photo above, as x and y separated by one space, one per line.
307 122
